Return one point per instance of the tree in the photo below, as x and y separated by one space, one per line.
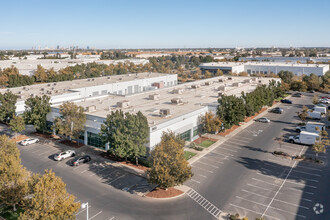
127 134
207 74
13 176
286 76
303 114
210 122
243 74
169 167
72 121
320 145
40 74
17 124
315 99
219 73
36 110
50 200
231 110
7 106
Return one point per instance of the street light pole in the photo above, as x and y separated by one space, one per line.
85 205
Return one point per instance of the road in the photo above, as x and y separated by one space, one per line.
241 175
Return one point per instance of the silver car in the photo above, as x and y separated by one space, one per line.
264 120
29 141
64 155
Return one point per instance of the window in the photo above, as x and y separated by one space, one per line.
95 140
186 135
197 130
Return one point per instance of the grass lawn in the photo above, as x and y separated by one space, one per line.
9 214
206 143
283 96
187 154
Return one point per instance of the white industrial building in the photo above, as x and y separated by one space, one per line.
265 68
166 105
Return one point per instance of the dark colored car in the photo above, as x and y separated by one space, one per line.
286 101
297 95
79 160
277 110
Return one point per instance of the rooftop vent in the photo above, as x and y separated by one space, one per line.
195 86
154 97
237 84
91 108
164 112
123 104
176 101
177 91
222 88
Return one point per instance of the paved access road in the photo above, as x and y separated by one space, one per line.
242 176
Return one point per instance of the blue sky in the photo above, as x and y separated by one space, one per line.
164 24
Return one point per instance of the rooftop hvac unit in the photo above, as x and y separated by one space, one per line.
177 91
195 86
42 89
208 83
247 80
259 81
220 94
109 77
55 84
49 84
88 79
221 88
93 79
154 97
176 101
221 80
164 112
254 79
49 92
91 108
123 104
229 78
237 84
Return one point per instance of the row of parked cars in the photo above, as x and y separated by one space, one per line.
63 155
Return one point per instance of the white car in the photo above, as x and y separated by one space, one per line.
264 120
64 155
29 141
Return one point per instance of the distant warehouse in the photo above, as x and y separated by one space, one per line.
265 68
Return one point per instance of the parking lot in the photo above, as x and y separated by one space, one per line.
98 170
268 186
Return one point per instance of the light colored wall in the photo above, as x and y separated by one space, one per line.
294 69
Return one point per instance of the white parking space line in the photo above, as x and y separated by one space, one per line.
105 168
303 178
214 161
238 141
83 165
312 174
207 164
121 176
271 207
289 203
95 215
222 148
225 154
202 169
273 184
253 211
49 152
302 184
89 206
195 181
112 218
305 167
232 145
202 175
108 174
289 146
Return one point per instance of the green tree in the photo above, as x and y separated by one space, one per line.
286 76
17 124
50 200
231 110
7 106
13 176
36 110
210 122
169 167
127 134
72 121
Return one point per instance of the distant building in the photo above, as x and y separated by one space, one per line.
265 68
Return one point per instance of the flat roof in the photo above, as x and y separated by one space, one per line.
232 64
59 88
192 99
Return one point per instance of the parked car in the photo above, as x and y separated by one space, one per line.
264 120
297 95
277 110
79 160
324 101
29 141
64 155
286 101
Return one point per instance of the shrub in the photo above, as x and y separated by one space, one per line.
245 218
198 148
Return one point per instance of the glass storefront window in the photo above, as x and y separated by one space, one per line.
95 140
186 135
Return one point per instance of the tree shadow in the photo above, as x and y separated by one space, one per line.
255 149
283 122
